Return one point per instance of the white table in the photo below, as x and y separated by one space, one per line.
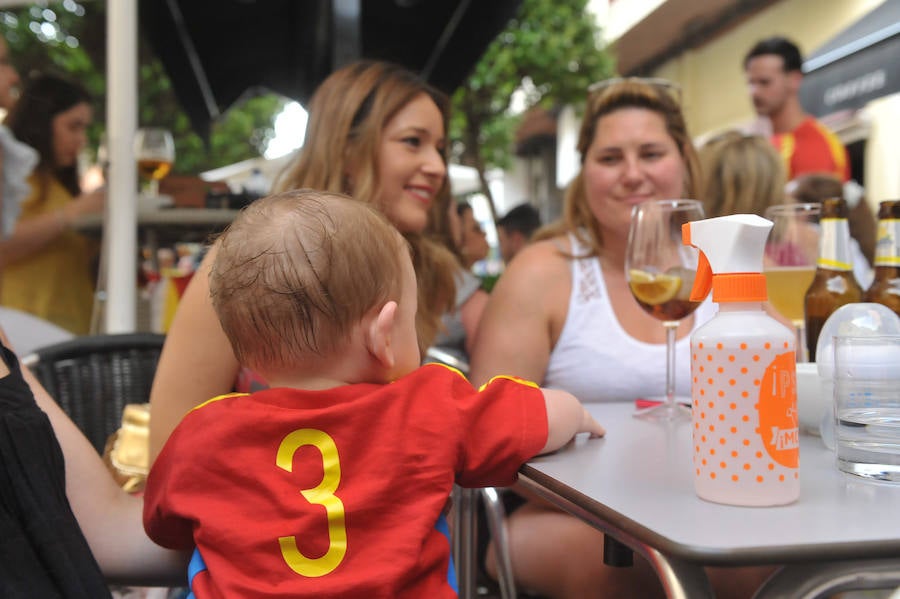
168 221
637 486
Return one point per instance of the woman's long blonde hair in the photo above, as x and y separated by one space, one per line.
347 116
742 174
577 217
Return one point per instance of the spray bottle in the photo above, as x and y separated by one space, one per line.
743 390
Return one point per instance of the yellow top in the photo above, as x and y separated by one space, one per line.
55 283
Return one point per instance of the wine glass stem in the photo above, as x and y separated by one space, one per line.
153 188
671 330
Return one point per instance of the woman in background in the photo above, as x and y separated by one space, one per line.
816 187
742 174
473 246
459 325
17 160
48 266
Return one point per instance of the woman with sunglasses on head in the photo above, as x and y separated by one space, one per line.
377 132
562 315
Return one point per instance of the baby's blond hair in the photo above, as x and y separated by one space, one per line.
297 270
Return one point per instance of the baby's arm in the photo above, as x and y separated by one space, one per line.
565 417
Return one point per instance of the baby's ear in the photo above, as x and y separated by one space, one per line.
379 336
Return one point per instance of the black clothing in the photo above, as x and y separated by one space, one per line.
43 553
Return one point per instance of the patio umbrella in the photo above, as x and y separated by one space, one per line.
216 51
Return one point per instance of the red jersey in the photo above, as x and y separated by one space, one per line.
336 493
812 148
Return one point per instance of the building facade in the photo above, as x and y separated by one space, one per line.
852 77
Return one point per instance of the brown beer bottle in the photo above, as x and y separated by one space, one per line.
885 289
834 284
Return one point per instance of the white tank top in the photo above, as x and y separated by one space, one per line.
597 361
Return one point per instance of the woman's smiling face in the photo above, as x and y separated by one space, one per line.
411 167
632 158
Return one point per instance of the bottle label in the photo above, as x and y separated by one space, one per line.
887 246
834 245
744 419
778 411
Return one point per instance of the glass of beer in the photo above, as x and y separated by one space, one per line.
660 272
154 150
790 261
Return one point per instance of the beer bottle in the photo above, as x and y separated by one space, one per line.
885 289
834 284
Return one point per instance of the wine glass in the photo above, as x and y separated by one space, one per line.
154 150
660 272
790 262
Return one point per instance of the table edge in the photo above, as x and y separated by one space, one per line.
614 523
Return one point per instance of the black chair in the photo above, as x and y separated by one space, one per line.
94 376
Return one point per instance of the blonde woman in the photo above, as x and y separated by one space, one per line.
377 132
742 174
562 315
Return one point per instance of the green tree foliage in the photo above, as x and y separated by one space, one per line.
69 38
551 51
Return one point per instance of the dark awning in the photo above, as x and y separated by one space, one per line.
858 65
215 51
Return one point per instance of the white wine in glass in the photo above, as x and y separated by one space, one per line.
660 272
790 262
154 150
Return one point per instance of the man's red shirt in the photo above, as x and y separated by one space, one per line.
812 148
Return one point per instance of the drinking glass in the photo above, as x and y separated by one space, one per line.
660 272
790 261
154 150
867 406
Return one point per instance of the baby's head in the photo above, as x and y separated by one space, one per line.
305 275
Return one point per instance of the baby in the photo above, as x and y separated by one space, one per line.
330 483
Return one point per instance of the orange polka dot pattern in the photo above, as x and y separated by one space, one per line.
731 462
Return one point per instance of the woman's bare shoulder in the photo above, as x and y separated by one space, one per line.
539 275
545 258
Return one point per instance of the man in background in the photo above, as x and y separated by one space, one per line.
514 230
773 68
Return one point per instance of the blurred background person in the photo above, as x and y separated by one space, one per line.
17 160
459 325
514 230
473 242
48 266
816 187
773 69
742 174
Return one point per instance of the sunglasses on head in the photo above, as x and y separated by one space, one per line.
730 135
672 89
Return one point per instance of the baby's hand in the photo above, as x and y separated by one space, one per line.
589 425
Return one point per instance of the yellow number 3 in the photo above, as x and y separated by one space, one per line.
322 494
